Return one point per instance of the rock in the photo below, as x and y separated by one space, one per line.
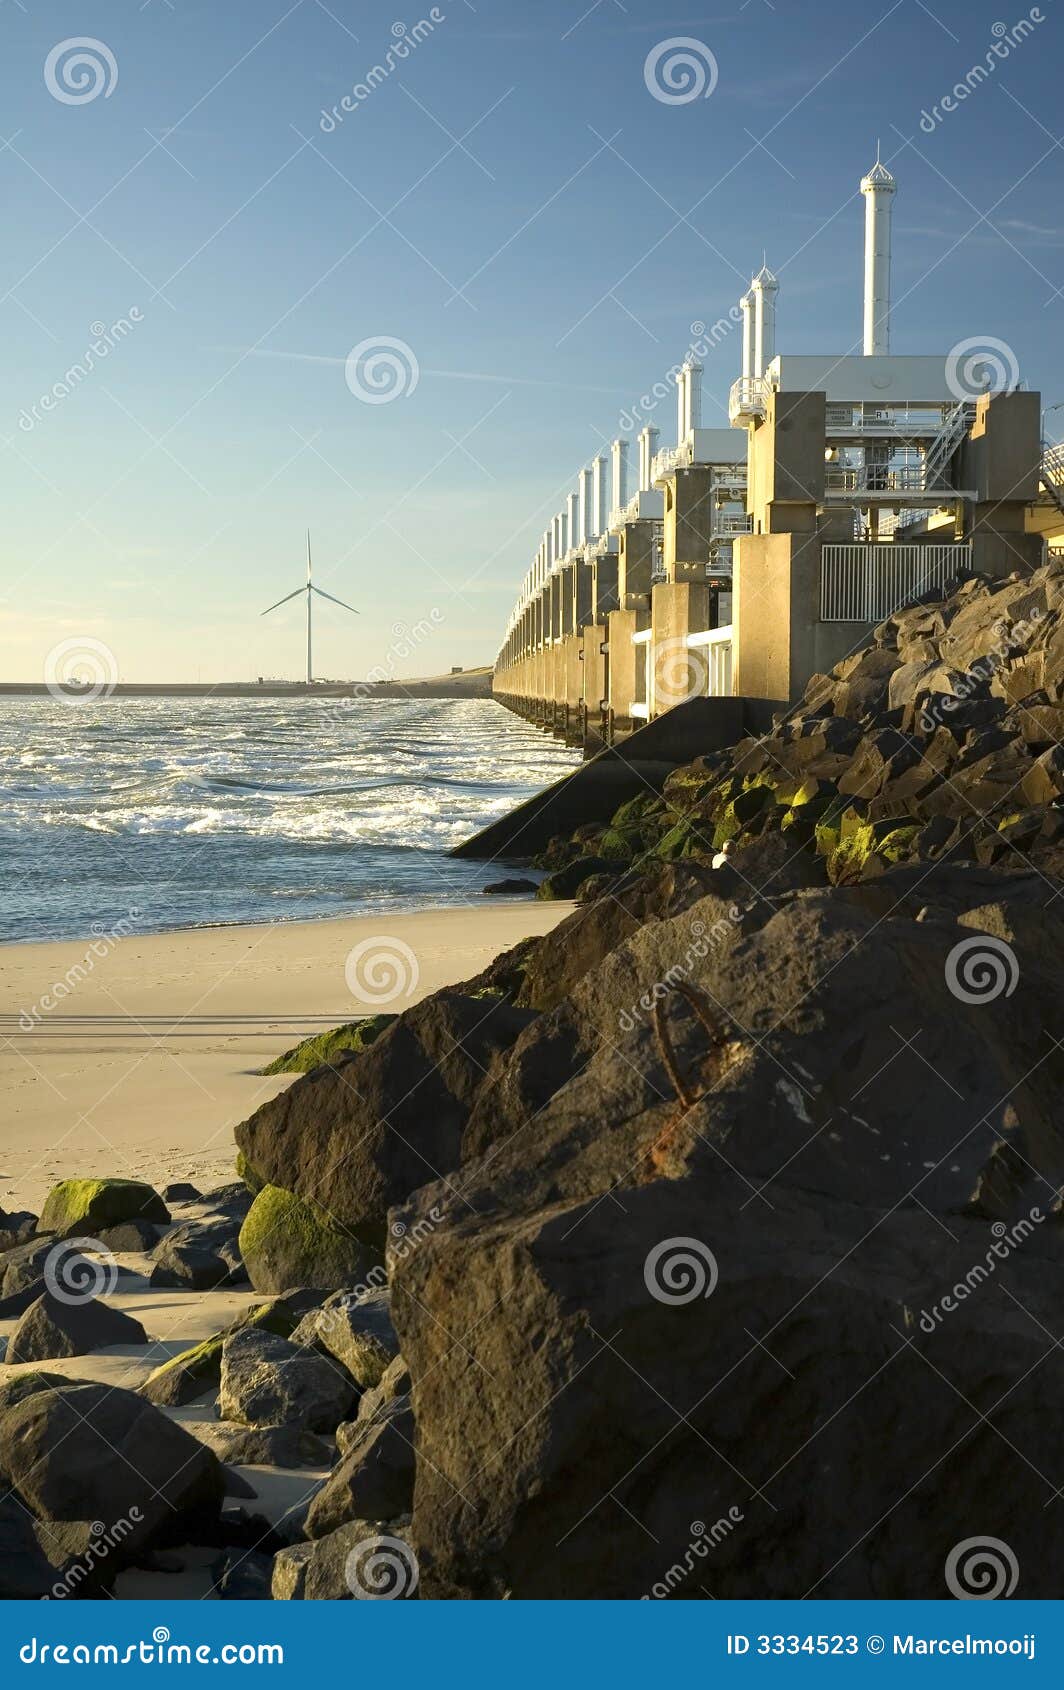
243 1575
325 1049
803 1178
375 1476
508 888
181 1192
96 1452
199 1255
357 1329
191 1268
364 1559
131 1237
26 1572
268 1381
15 1228
564 883
287 1243
235 1483
198 1369
23 1385
379 1138
268 1446
395 1382
51 1328
82 1206
19 1301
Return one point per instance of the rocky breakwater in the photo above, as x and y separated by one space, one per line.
731 1253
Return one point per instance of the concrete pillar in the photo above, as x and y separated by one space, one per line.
635 564
622 661
688 522
999 462
677 673
786 463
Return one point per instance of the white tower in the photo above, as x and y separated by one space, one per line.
878 188
587 529
619 454
601 495
765 287
746 306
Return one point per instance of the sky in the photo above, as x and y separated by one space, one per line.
512 201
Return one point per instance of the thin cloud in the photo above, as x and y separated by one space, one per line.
443 375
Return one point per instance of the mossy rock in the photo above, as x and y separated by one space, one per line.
197 1369
327 1047
594 887
619 845
565 882
828 830
635 811
691 837
81 1207
286 1242
860 840
245 1172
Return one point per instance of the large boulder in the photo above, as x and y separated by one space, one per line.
268 1381
96 1452
82 1207
375 1476
363 1560
711 1270
365 1131
51 1328
15 1228
356 1328
288 1242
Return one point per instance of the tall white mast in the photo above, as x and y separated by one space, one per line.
878 188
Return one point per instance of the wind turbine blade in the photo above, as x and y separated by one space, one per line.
308 555
322 594
285 600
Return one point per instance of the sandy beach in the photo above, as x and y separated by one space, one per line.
138 1056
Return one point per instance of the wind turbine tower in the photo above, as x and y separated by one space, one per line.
310 589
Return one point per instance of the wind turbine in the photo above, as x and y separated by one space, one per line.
310 589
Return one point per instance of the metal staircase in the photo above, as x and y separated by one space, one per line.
955 425
1051 473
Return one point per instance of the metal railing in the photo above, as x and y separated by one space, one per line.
867 583
747 398
716 643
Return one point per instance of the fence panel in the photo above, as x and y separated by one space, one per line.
867 583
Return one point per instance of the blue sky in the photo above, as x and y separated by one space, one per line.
514 205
